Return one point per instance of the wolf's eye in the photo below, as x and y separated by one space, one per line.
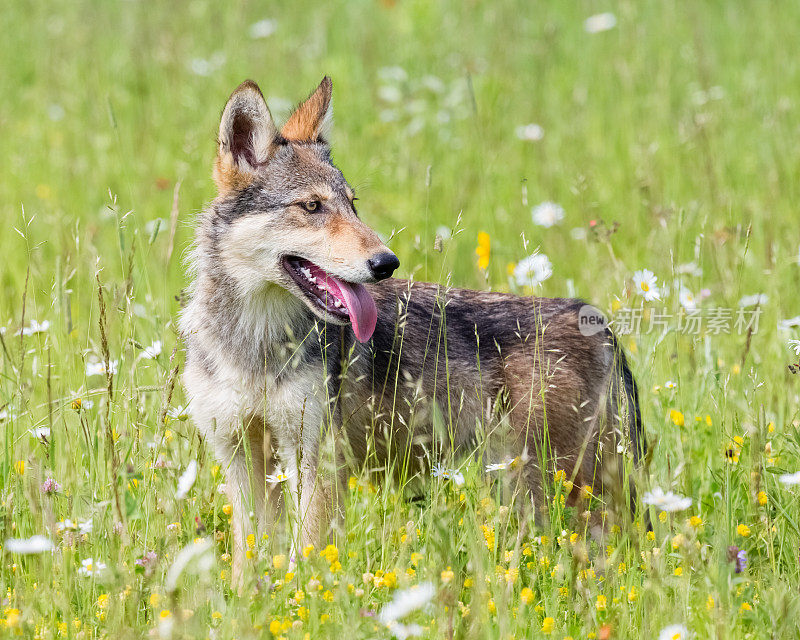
311 205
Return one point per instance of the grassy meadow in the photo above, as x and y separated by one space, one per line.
661 138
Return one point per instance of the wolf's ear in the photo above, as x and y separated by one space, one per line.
310 119
246 135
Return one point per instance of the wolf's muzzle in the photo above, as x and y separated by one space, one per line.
383 265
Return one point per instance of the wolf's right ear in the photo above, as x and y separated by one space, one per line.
246 135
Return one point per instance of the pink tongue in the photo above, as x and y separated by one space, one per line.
360 306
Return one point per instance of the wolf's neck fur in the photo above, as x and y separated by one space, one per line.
254 331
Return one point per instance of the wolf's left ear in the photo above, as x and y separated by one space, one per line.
309 121
246 135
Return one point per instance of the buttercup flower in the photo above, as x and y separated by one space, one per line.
483 250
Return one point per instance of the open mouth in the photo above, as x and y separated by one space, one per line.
345 300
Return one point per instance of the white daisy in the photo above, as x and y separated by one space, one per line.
152 352
666 501
533 270
600 22
279 476
444 232
795 344
186 481
690 269
756 299
529 132
499 466
85 527
34 544
66 525
178 413
674 632
670 384
790 479
403 631
406 601
438 471
90 567
99 368
646 284
35 327
547 214
789 323
686 298
392 74
263 29
40 432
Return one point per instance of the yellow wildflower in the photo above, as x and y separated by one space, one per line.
483 250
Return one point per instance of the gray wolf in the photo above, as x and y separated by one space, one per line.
304 354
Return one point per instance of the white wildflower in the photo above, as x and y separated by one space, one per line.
789 323
499 466
646 284
35 327
790 479
686 298
405 602
90 567
690 269
674 632
759 299
66 525
263 28
533 270
186 481
85 527
547 214
666 501
178 413
195 556
438 471
670 384
279 476
529 132
795 344
152 352
392 74
203 67
34 544
41 433
99 368
600 22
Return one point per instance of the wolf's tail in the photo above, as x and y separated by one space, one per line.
631 391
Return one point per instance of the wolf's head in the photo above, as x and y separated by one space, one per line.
285 215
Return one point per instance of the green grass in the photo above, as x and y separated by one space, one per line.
680 124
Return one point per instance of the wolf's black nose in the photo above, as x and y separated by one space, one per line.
383 265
